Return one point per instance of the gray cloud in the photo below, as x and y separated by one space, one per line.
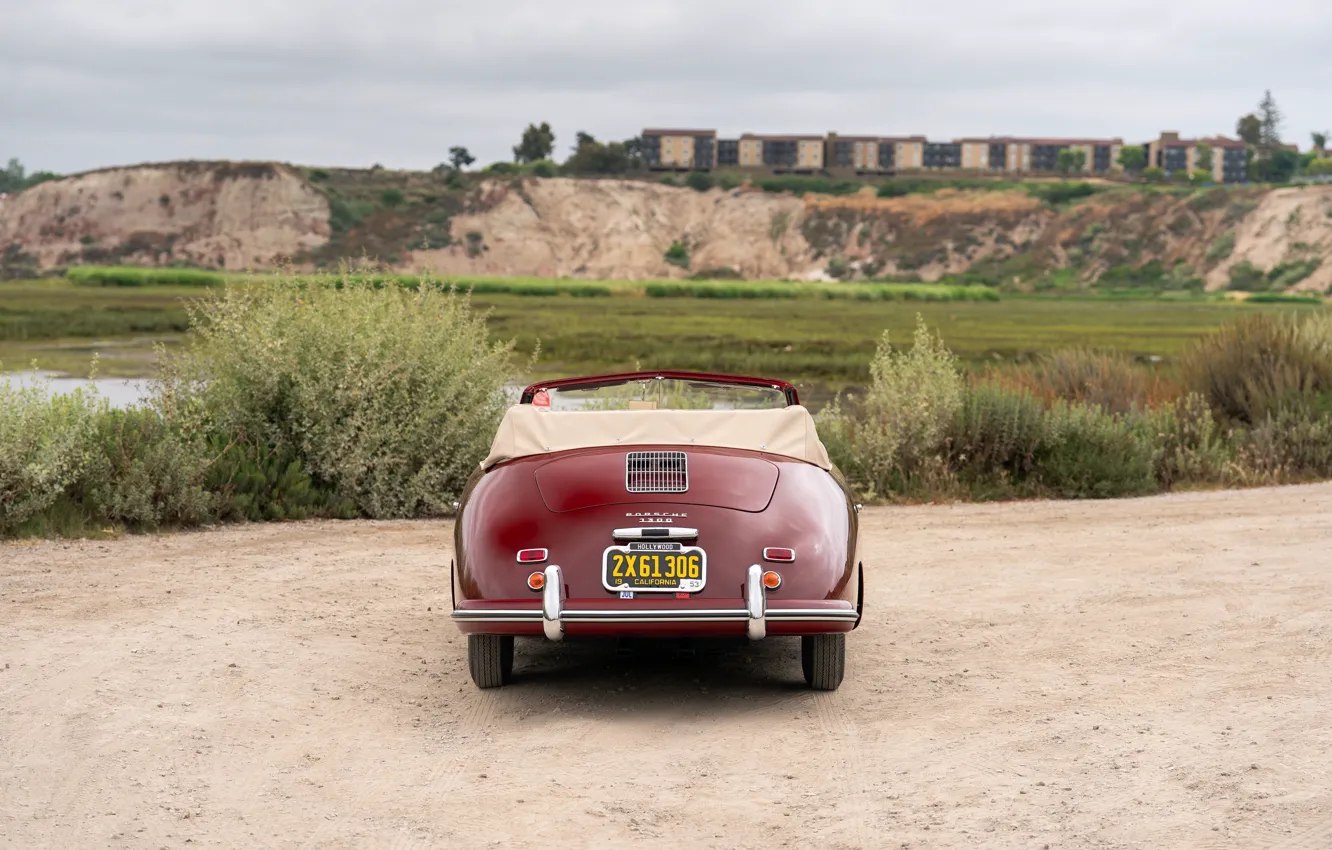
93 83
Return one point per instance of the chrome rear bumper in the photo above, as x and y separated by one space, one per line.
555 613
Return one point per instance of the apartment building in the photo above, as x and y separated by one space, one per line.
680 149
1230 161
1018 155
781 153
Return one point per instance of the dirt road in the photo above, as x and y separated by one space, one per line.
1146 673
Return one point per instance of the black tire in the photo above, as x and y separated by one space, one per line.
490 659
823 658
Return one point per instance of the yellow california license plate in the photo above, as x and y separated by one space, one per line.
665 567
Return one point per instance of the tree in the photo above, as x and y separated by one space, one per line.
537 143
1071 160
1319 141
1204 157
581 138
592 157
460 158
12 179
1250 129
1269 116
1133 158
1281 165
636 152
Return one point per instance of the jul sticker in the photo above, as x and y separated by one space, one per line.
626 594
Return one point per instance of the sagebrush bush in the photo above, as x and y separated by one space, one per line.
897 432
1254 367
389 396
144 474
1289 445
45 443
1189 446
997 432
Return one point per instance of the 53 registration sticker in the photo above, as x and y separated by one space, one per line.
654 567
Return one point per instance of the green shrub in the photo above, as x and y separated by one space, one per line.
1060 193
389 396
544 168
1222 248
344 215
699 181
1288 274
1283 298
1154 174
45 445
133 276
678 255
264 483
1252 368
1086 453
1246 277
391 197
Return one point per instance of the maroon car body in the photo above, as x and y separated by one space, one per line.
768 531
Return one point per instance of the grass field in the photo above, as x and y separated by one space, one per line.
822 343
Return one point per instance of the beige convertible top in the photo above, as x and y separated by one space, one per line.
528 430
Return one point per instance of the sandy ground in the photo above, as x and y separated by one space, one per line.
1147 673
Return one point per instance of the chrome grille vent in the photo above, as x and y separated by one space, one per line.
656 472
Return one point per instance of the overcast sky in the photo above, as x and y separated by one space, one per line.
90 83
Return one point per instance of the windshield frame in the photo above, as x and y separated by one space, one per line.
594 381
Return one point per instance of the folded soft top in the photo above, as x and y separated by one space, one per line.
527 430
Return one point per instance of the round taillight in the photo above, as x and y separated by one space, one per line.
536 581
772 579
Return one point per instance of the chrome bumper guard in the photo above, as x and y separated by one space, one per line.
755 615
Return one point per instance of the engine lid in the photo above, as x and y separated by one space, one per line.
718 478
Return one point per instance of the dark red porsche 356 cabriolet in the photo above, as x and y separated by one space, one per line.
657 504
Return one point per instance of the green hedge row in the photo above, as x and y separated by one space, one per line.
130 276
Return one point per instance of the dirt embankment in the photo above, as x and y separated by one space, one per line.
623 229
255 216
219 215
1137 673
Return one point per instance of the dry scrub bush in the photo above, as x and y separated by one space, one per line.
391 397
1111 381
1255 367
45 444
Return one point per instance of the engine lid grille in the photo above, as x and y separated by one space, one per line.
656 472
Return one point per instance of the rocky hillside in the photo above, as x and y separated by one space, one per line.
219 215
257 216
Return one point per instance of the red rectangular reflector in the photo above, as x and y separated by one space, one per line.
532 556
779 554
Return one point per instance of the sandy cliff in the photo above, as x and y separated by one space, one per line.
233 216
256 216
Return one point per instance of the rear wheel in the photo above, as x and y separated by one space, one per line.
823 658
490 659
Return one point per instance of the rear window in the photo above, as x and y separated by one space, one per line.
661 394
